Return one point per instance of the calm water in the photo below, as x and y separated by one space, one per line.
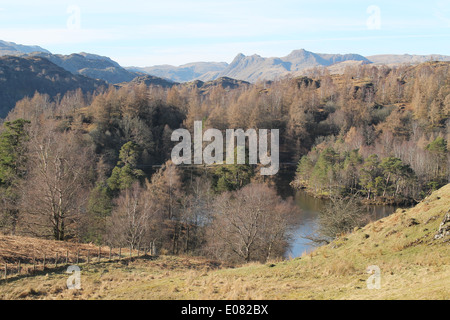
308 220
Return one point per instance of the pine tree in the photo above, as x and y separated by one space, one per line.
126 172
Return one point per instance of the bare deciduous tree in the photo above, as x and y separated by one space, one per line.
131 221
340 216
57 187
250 224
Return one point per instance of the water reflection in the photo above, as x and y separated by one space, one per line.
308 220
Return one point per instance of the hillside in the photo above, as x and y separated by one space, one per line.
413 263
183 73
149 81
392 59
21 77
90 65
11 48
224 82
85 64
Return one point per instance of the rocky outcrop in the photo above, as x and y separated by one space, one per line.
11 48
444 228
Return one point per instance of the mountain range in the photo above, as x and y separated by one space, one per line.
255 67
26 69
249 68
246 68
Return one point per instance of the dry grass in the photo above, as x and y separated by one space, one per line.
25 250
413 266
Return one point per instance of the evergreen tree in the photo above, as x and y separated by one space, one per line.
12 170
370 174
324 171
126 172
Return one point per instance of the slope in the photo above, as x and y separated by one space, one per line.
183 73
11 48
413 263
21 77
90 65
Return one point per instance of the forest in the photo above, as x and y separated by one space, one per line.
96 167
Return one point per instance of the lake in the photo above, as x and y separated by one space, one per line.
307 221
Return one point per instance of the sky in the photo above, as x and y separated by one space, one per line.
146 33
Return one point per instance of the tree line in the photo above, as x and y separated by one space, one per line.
95 167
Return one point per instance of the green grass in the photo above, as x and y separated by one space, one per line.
413 266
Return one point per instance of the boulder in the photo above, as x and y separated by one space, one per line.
444 228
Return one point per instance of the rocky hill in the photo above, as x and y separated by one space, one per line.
11 48
183 73
149 80
224 82
85 64
90 65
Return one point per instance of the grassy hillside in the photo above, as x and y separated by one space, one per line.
413 266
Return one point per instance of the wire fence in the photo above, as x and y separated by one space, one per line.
54 261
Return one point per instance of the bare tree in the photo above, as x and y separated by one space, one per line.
57 187
341 215
166 187
196 213
250 224
131 220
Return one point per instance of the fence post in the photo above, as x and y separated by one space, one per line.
78 256
99 253
56 261
45 257
67 257
34 265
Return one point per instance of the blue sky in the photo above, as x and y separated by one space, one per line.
145 33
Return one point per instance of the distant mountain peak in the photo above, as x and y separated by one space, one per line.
238 58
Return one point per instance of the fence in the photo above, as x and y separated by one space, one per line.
55 261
